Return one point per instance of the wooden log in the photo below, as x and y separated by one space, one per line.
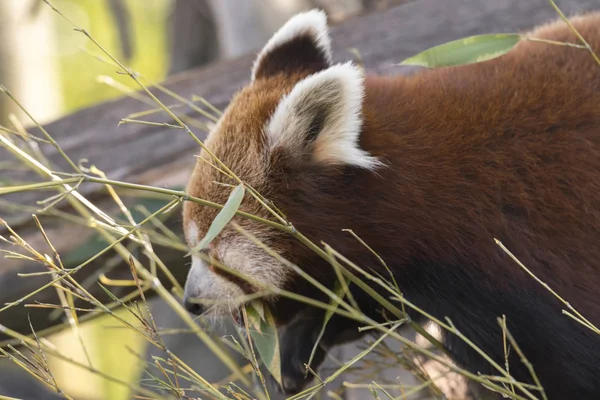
163 157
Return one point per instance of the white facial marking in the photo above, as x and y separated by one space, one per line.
202 283
313 22
335 95
249 259
192 234
240 255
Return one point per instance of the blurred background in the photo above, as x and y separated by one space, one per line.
54 71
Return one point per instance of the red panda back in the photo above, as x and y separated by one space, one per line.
506 149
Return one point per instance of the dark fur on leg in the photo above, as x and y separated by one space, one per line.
296 342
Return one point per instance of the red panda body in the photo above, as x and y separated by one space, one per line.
428 170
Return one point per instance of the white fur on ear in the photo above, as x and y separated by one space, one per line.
313 23
323 115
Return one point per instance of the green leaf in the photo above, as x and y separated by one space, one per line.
468 50
264 336
222 218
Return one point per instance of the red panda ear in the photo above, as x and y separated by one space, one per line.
301 44
322 116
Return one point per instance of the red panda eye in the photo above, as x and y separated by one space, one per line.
205 252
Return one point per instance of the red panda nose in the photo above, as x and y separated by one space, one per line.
192 307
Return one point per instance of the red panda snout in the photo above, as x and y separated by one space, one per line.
234 267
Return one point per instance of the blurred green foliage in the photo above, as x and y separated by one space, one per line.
80 69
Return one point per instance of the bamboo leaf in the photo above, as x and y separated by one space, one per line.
468 50
265 338
222 218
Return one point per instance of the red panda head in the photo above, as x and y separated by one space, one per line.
297 123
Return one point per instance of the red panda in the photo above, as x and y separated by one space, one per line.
427 169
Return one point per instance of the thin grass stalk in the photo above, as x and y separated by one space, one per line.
65 297
575 31
524 360
447 326
146 244
67 273
42 170
580 318
55 353
134 186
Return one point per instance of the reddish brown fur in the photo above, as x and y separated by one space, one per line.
507 149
